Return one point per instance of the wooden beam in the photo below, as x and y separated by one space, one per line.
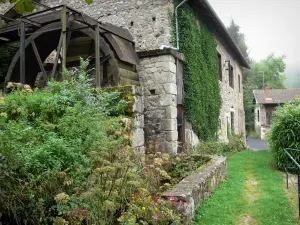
37 55
57 56
64 37
97 56
68 40
22 53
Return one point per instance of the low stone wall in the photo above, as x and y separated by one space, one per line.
191 191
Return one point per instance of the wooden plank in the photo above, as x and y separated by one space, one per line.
99 78
125 81
128 74
22 53
37 55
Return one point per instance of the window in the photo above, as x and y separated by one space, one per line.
239 83
269 118
220 66
231 78
257 115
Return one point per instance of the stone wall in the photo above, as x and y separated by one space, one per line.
232 98
147 20
158 77
138 137
191 191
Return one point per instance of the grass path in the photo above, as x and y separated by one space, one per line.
253 193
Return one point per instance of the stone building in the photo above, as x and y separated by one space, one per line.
266 102
160 70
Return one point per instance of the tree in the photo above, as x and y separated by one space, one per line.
269 71
26 6
239 38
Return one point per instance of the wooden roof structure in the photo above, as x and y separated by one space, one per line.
71 33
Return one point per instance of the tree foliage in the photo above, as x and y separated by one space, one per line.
7 52
26 6
239 38
269 71
202 99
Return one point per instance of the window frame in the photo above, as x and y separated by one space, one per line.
231 76
220 67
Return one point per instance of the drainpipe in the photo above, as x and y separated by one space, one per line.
177 29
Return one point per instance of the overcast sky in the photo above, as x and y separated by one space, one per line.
269 25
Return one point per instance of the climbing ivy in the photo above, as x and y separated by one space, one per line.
202 99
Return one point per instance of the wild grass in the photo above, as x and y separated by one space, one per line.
253 193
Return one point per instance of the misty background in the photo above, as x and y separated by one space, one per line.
270 26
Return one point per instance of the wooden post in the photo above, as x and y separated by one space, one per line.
37 55
22 53
64 37
97 56
57 56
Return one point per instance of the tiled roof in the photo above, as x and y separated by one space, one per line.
276 95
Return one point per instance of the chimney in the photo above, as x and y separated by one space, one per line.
267 95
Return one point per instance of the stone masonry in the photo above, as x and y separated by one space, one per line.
147 20
158 77
232 98
194 189
150 24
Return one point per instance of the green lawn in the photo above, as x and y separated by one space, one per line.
253 193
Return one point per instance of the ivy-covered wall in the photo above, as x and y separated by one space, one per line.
202 99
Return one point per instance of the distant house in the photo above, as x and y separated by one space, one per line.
266 102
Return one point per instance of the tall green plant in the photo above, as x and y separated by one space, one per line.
202 98
285 132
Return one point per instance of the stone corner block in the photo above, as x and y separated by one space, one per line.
170 124
138 138
170 88
171 112
138 106
172 67
172 135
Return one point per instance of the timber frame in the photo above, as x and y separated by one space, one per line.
60 23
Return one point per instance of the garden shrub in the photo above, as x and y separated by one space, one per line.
235 144
285 132
66 158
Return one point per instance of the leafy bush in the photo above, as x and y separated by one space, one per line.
285 132
65 158
184 164
235 144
